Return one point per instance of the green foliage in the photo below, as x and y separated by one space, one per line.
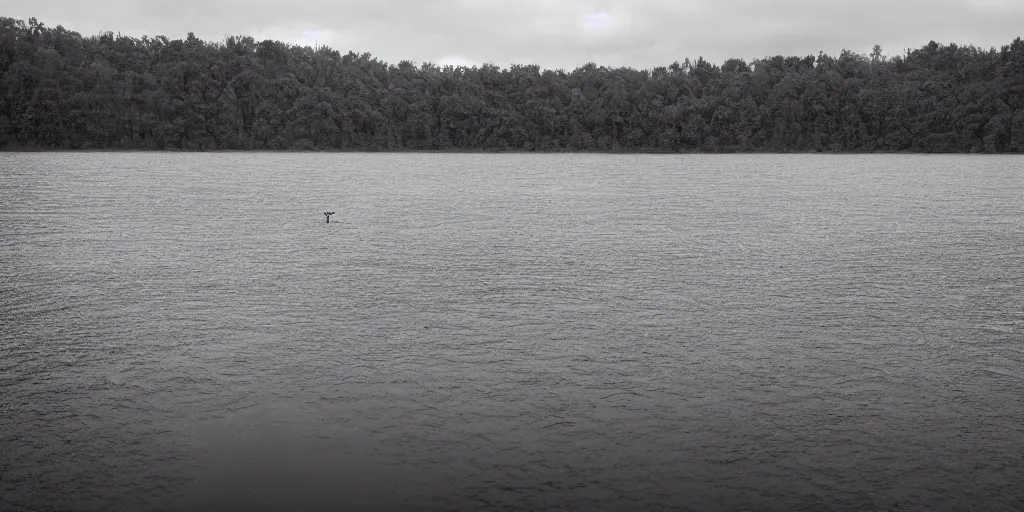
61 90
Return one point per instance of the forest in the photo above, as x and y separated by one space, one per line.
61 90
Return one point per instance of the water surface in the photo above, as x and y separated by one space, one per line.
185 332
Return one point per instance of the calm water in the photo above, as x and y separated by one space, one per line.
184 332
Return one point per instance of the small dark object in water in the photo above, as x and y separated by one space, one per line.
328 214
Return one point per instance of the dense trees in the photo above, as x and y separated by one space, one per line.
61 90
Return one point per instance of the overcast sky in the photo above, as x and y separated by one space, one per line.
553 33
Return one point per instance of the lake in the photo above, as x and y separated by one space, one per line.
184 331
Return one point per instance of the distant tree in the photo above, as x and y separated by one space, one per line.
59 89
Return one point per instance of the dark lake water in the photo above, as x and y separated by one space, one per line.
760 332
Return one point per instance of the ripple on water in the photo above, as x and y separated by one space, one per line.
510 331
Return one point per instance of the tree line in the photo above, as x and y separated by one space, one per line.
60 90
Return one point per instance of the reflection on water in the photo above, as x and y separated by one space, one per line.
186 332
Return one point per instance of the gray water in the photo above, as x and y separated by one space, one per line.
185 332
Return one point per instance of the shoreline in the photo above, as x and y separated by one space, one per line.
486 152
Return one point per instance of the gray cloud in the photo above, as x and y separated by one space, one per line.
555 33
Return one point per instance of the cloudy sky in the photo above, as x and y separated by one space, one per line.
554 33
